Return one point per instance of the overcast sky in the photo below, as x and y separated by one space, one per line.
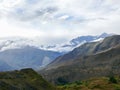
58 20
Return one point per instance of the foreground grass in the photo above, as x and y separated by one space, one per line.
104 83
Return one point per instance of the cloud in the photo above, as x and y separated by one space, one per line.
8 29
60 19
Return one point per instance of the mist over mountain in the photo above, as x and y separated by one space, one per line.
19 42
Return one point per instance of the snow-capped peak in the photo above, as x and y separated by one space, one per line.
19 42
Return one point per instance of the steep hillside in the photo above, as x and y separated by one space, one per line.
103 61
25 79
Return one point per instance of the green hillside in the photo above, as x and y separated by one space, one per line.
28 79
25 79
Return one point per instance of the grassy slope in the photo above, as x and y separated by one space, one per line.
25 79
102 83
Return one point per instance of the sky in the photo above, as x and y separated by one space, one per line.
58 20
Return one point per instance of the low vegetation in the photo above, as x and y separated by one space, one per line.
104 83
25 79
28 79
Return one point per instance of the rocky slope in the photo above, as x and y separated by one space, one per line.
89 60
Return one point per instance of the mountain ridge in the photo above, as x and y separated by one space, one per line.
89 49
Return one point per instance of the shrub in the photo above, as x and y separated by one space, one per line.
62 81
112 79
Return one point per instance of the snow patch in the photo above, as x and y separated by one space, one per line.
46 61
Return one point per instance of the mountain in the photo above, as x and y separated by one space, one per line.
19 42
18 53
25 79
93 59
88 49
26 57
89 38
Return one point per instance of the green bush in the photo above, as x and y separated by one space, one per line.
62 81
79 82
112 79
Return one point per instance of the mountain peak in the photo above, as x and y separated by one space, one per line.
103 35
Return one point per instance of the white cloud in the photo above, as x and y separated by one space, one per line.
60 19
8 29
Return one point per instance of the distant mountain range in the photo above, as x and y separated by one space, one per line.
26 57
18 42
18 53
94 59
